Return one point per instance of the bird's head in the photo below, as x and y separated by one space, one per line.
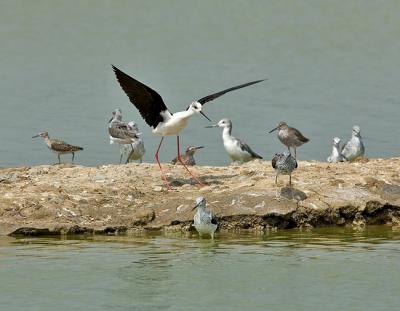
200 202
43 134
192 149
336 141
134 127
281 126
116 114
356 131
196 107
224 123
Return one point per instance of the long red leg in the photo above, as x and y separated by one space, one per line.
180 160
159 165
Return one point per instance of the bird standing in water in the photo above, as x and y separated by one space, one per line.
204 220
188 157
335 155
284 164
290 137
354 148
237 149
156 114
58 146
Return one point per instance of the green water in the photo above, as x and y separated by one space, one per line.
330 64
325 269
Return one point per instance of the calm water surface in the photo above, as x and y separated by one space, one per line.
326 269
330 64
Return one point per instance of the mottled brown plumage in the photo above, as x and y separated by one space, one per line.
59 146
188 157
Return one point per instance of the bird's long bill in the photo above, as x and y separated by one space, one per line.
273 130
202 113
211 126
199 147
110 119
35 136
194 207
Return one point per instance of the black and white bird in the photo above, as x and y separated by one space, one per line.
156 114
284 164
237 149
121 133
204 220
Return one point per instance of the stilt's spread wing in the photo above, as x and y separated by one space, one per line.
147 101
218 94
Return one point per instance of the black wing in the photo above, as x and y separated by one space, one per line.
218 94
147 101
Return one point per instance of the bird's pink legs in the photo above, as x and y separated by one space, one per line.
162 172
180 160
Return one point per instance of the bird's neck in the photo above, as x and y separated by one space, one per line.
47 141
227 132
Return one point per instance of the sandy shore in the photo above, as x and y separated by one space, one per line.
67 199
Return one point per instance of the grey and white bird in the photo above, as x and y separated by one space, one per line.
138 149
354 148
156 114
120 133
289 136
58 146
237 149
204 220
336 152
284 164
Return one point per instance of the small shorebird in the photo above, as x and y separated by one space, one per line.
188 157
204 220
58 146
138 145
354 148
121 133
289 136
335 155
284 164
237 150
156 114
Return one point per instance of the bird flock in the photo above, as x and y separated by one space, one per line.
165 123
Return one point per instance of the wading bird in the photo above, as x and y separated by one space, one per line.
156 114
188 157
237 149
289 136
204 220
58 146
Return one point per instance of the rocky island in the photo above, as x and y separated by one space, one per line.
123 199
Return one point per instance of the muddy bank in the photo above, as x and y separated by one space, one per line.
120 199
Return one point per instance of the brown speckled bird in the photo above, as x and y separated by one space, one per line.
188 157
58 146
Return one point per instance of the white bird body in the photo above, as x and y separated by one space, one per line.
204 220
237 150
335 155
175 123
354 148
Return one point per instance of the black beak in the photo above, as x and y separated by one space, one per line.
110 120
200 147
194 207
202 113
273 130
35 136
